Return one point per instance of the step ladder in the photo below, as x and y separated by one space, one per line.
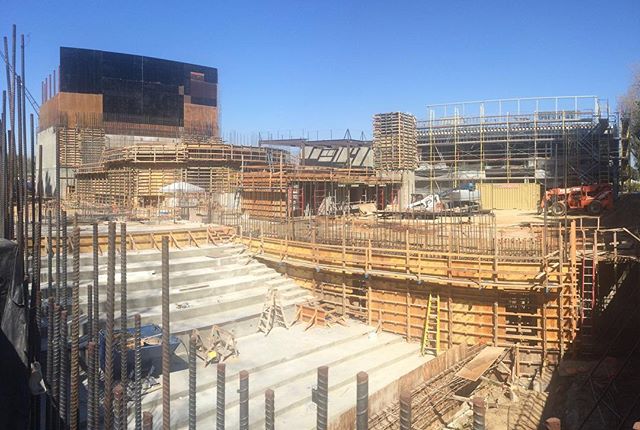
272 313
431 331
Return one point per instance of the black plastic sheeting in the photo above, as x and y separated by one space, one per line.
14 368
136 86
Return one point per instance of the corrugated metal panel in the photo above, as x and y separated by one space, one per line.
510 196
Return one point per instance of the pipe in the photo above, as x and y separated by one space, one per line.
137 394
166 363
220 395
192 381
405 410
244 400
108 366
479 412
362 401
269 410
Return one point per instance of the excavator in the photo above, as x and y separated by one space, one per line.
593 198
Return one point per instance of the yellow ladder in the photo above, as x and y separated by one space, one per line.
431 332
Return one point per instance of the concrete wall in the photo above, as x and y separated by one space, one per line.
47 139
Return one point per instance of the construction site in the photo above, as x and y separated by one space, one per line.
476 268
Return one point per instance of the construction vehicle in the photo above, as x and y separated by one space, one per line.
429 203
593 198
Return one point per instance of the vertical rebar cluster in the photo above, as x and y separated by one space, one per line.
166 353
55 379
118 399
192 381
108 366
479 411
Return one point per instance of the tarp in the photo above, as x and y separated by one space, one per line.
14 370
181 187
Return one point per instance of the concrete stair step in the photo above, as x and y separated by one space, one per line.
175 264
153 279
191 293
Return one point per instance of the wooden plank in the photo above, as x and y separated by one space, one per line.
480 363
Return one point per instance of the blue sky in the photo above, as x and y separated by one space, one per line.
289 66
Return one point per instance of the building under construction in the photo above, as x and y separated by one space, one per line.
306 270
557 141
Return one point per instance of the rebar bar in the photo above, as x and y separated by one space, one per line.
65 250
75 331
90 311
147 421
91 385
362 401
319 396
405 410
220 395
50 347
137 395
56 353
108 366
166 363
118 419
244 400
64 369
50 291
479 411
192 381
123 310
269 409
96 287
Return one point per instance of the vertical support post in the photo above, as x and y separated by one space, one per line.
166 357
362 401
269 409
320 396
450 319
479 412
408 311
220 396
369 303
244 400
405 410
192 381
108 360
